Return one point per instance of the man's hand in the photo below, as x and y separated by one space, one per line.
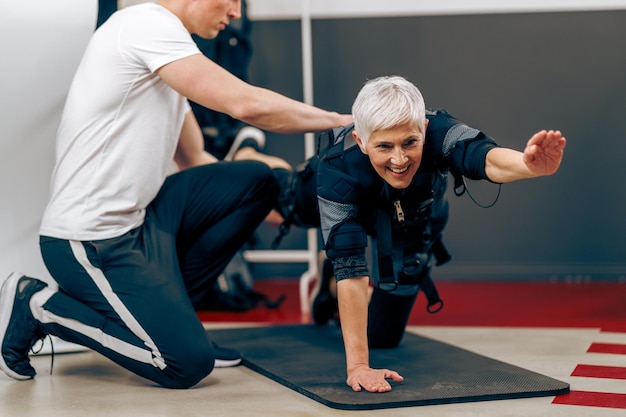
372 380
544 152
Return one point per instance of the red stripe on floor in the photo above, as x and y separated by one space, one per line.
607 348
592 399
600 371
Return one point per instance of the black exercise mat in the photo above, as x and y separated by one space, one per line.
310 360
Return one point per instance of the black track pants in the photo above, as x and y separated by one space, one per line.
131 297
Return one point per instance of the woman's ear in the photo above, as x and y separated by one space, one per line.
359 142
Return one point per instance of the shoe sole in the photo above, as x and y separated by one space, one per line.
7 298
247 132
224 363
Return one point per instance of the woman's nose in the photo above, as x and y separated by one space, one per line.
398 156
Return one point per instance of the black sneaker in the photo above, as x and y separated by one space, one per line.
247 136
19 330
225 357
325 306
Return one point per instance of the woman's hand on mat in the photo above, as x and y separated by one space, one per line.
372 380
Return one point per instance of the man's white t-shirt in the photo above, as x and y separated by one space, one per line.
120 126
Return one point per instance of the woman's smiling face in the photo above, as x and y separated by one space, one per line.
395 153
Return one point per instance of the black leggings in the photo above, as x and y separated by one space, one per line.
388 316
132 297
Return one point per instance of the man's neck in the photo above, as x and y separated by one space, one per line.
177 8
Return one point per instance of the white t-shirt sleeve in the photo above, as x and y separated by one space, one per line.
161 40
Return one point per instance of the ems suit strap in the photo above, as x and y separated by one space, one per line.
387 278
346 240
435 303
440 252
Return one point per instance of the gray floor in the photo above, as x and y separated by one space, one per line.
85 384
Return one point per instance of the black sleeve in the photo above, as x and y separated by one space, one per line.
468 156
463 148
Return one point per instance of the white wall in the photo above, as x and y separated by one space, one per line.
41 43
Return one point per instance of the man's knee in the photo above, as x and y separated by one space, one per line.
189 367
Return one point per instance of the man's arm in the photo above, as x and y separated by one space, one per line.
205 82
190 150
542 156
353 298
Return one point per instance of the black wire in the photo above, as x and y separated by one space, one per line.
495 200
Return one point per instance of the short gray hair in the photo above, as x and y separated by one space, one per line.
386 102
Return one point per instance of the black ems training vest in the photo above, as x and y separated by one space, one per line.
406 224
